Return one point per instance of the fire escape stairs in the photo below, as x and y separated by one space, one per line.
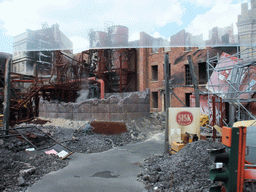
23 101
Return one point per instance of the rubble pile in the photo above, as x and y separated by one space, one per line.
80 140
188 170
20 169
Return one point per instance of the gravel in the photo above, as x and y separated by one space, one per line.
20 169
187 170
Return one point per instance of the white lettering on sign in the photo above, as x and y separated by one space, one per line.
184 118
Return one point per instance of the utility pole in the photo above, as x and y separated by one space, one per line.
167 100
194 80
7 84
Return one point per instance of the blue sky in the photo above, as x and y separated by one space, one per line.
75 17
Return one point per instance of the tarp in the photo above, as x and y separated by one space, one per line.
218 80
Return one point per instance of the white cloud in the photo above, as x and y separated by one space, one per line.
221 15
134 36
157 35
79 44
20 15
76 17
174 14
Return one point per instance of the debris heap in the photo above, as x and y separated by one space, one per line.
188 170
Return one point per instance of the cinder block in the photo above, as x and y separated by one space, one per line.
65 115
52 107
42 114
82 116
95 109
64 108
82 108
113 100
144 108
42 107
103 108
93 115
115 108
117 116
51 115
128 108
101 116
133 99
135 115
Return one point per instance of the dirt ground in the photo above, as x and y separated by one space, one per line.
21 168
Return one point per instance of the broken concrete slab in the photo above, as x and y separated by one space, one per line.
116 107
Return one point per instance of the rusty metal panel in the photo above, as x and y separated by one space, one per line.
226 136
105 127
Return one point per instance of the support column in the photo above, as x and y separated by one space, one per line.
7 96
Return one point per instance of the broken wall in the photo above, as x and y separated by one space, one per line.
113 108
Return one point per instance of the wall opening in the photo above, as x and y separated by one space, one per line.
188 78
202 73
154 99
188 99
154 70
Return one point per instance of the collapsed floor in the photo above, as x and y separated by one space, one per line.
21 169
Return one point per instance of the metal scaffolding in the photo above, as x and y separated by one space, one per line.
233 78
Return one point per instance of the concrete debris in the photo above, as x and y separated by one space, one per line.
21 181
19 170
188 170
29 166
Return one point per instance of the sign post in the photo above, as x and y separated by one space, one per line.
167 100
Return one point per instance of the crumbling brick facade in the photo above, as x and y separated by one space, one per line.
151 72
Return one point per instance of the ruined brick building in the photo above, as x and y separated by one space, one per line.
151 73
36 46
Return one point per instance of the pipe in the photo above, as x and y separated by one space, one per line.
102 88
213 118
24 81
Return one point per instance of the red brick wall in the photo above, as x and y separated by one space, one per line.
177 59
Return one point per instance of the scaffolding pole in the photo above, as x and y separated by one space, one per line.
236 88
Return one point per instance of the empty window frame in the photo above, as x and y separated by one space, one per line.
202 73
154 71
188 99
154 99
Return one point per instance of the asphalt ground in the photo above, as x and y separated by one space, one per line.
113 170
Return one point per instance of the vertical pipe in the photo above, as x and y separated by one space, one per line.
221 112
213 117
167 100
194 80
102 88
241 158
7 96
120 70
208 80
36 73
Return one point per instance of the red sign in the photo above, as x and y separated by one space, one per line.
184 118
